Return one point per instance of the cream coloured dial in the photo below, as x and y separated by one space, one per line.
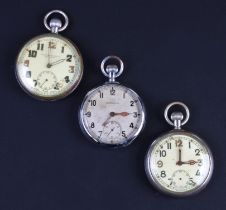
179 163
46 80
112 115
49 67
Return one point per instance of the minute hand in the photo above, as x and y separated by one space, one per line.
57 62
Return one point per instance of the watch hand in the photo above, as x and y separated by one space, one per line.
106 121
57 62
179 162
180 155
191 162
46 80
112 114
124 114
111 131
48 55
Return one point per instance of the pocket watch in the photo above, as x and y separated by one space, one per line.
112 114
50 66
179 163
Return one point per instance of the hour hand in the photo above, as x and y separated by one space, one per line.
190 162
123 114
112 114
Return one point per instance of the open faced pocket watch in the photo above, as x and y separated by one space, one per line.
112 114
49 66
179 163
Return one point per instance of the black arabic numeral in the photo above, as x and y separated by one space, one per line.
69 57
124 134
131 125
93 102
197 152
62 50
162 153
101 94
88 114
197 173
40 46
199 162
67 79
168 145
32 53
92 125
163 174
159 163
35 82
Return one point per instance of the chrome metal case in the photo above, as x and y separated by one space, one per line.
88 134
112 72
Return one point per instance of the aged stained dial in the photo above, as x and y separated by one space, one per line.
112 114
49 66
179 163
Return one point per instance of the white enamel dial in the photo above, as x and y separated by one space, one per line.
179 163
112 115
49 67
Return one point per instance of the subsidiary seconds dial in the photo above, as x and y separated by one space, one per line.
112 115
46 80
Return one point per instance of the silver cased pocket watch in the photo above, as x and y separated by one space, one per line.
179 163
112 115
50 66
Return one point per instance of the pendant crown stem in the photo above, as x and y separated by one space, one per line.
55 24
177 117
112 70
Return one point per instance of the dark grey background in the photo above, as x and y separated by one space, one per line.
173 50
